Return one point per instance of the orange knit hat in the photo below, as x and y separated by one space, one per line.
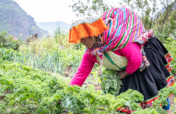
87 28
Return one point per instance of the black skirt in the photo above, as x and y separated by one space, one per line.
154 77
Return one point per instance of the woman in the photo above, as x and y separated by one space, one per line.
119 42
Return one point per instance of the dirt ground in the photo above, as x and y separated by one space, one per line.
172 104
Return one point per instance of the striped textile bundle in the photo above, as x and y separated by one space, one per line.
124 28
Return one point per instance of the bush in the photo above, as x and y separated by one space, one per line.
9 41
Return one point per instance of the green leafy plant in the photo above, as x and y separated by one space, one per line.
110 82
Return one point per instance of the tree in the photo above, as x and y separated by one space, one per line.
155 14
94 7
88 7
164 17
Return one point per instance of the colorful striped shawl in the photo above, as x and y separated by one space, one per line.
124 28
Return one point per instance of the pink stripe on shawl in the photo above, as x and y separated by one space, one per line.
127 32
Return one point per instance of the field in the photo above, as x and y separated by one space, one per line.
35 79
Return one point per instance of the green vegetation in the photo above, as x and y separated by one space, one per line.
28 90
34 77
9 41
24 89
110 82
56 60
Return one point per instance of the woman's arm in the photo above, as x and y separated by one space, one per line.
84 70
134 57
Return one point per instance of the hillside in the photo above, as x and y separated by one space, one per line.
52 27
16 21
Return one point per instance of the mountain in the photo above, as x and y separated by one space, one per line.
52 27
16 21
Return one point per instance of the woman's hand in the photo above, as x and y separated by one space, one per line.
123 74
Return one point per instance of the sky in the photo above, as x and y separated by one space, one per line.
48 10
54 10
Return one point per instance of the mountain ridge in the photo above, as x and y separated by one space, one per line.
16 21
52 27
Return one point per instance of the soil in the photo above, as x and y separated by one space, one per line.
67 71
171 99
1 98
172 103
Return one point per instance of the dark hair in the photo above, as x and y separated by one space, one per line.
98 41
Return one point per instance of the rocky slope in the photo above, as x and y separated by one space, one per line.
16 21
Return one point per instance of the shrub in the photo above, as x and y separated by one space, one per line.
9 41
